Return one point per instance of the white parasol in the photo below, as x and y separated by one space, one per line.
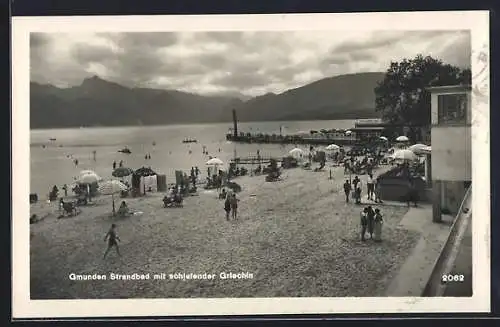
402 138
296 152
88 178
214 162
111 188
405 154
348 132
85 172
332 147
383 138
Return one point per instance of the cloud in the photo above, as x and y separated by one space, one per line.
250 63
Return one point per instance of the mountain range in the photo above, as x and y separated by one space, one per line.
97 102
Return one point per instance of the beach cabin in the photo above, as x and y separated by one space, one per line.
450 157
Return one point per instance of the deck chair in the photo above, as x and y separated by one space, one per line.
70 209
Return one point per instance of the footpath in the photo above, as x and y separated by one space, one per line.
413 276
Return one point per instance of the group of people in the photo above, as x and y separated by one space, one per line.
120 164
230 204
372 185
371 222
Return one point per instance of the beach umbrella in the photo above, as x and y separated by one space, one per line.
85 172
332 147
214 162
405 154
417 147
145 171
402 138
111 188
88 178
348 132
383 138
122 172
236 188
296 151
422 150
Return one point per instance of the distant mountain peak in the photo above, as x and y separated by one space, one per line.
98 82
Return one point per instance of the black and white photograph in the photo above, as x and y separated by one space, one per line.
253 163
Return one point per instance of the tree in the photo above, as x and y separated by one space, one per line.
402 97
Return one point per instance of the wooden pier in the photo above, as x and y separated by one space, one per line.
290 139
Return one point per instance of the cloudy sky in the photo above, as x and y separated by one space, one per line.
249 63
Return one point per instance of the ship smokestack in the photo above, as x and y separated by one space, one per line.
235 124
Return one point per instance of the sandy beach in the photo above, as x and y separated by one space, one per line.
297 237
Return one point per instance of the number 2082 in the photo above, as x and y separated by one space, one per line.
452 278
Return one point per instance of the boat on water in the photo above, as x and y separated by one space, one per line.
52 139
189 141
125 150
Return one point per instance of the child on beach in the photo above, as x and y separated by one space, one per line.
113 240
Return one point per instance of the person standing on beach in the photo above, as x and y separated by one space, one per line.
378 222
234 206
377 191
227 206
65 189
370 187
371 219
357 191
113 240
347 190
412 194
364 223
355 182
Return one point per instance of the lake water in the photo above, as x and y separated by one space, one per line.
53 165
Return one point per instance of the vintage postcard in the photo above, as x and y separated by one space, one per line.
250 164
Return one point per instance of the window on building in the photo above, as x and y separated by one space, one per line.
452 109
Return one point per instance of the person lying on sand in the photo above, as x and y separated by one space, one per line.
113 240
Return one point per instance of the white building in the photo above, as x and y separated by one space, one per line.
451 158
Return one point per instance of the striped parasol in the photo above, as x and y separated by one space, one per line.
122 172
111 188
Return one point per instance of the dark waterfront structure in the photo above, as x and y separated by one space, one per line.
364 130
